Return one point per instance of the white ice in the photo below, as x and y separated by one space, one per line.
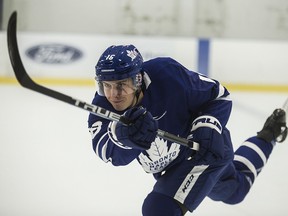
48 167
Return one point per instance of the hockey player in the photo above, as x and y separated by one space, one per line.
161 93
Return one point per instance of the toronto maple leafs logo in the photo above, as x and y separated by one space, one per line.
132 54
158 156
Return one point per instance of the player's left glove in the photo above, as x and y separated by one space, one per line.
207 131
140 132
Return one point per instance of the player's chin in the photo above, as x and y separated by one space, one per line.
119 106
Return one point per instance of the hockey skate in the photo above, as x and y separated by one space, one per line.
274 129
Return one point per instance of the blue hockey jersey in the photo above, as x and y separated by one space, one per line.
175 96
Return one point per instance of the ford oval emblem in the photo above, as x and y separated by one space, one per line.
54 53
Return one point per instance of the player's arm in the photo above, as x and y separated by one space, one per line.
121 143
219 105
138 133
214 112
105 147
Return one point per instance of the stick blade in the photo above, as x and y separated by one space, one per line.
14 54
25 80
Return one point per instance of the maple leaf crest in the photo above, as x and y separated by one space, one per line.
158 156
132 54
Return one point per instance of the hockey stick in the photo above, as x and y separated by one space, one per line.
285 106
25 80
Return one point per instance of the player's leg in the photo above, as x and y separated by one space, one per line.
275 128
157 204
185 186
181 189
250 159
231 188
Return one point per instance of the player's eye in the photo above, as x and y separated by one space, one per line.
121 85
106 85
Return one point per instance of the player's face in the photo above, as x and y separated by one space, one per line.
120 93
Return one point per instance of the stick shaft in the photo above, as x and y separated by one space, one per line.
25 80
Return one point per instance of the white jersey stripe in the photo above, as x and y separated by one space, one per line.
189 182
221 91
227 98
98 144
257 150
104 150
247 163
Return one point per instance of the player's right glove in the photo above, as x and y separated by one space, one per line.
139 133
206 130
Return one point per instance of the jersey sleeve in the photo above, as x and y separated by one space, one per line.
213 99
191 91
103 144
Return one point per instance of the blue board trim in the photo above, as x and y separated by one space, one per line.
203 56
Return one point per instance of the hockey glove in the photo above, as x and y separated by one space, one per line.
140 133
206 130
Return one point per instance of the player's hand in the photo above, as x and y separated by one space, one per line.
142 130
210 141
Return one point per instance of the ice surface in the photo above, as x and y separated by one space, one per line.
48 167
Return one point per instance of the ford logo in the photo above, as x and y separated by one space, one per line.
54 53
